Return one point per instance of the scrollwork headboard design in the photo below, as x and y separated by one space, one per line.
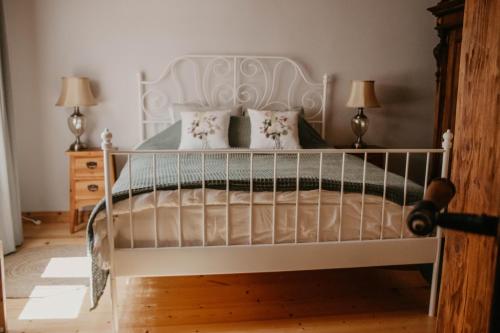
258 82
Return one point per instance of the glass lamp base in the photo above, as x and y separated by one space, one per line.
77 145
359 125
77 123
359 144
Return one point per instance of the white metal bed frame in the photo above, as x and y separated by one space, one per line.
227 259
258 82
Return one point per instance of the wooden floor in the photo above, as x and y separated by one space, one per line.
354 300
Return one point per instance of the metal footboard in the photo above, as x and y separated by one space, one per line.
227 153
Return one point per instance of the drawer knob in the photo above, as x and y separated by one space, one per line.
93 188
91 165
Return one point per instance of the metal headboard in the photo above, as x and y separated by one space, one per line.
258 82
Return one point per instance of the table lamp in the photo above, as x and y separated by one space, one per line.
76 92
362 96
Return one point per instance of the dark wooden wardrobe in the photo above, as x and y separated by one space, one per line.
449 20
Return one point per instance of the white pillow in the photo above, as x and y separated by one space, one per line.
205 129
177 108
274 129
299 109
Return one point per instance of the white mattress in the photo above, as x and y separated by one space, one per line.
239 211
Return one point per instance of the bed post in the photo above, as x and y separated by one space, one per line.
447 144
326 79
107 146
140 78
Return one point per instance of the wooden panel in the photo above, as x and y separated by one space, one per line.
52 230
477 138
90 152
92 189
55 216
469 260
161 302
89 167
82 203
449 14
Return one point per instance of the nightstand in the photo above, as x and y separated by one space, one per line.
377 159
86 183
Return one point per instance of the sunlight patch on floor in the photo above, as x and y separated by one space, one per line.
54 302
67 267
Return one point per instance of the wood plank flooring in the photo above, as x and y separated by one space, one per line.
350 300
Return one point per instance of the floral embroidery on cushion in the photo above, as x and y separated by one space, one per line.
203 125
275 126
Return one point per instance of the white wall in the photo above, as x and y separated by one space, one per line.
389 41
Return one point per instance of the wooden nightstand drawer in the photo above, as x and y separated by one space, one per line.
86 167
89 189
86 182
85 203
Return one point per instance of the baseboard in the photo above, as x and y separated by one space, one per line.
49 217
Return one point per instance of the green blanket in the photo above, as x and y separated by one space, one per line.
262 178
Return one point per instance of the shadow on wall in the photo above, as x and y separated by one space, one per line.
392 94
392 97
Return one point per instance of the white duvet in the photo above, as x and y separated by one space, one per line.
143 226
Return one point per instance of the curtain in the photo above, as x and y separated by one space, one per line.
11 231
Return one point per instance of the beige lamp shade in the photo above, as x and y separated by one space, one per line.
363 95
76 92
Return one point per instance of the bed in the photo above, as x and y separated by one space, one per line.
242 210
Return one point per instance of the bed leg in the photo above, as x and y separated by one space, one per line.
447 144
435 277
114 305
107 147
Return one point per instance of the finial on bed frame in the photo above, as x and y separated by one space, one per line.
446 144
447 140
106 137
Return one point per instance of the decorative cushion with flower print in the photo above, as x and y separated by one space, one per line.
274 129
205 129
